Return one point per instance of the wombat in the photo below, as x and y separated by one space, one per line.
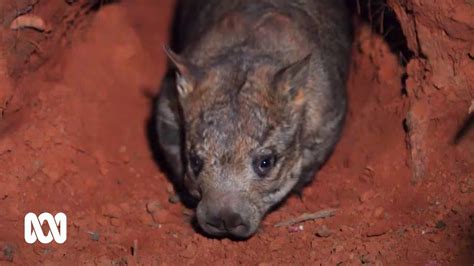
257 104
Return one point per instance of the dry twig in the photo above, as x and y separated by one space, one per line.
307 216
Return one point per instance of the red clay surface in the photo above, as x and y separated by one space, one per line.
73 138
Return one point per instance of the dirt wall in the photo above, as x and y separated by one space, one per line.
440 78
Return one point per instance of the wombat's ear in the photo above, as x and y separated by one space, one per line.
186 75
291 79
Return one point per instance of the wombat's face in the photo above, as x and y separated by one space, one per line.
242 150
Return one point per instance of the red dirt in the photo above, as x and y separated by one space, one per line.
73 138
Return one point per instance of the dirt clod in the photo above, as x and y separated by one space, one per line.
377 230
112 211
153 206
378 213
323 231
364 197
190 251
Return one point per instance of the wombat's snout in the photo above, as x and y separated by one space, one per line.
224 216
225 221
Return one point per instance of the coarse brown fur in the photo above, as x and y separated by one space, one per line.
258 83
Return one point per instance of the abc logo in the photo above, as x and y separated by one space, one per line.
57 228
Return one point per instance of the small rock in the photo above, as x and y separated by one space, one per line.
174 198
112 211
378 212
189 252
115 222
366 259
102 162
188 212
435 238
323 231
345 228
169 188
366 196
377 230
94 236
145 218
163 217
153 206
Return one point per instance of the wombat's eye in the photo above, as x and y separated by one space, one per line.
196 163
262 165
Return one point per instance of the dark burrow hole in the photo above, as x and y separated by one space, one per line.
383 20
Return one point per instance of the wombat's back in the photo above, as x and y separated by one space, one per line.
327 19
319 27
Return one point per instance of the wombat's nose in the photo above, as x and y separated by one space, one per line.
231 220
227 221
